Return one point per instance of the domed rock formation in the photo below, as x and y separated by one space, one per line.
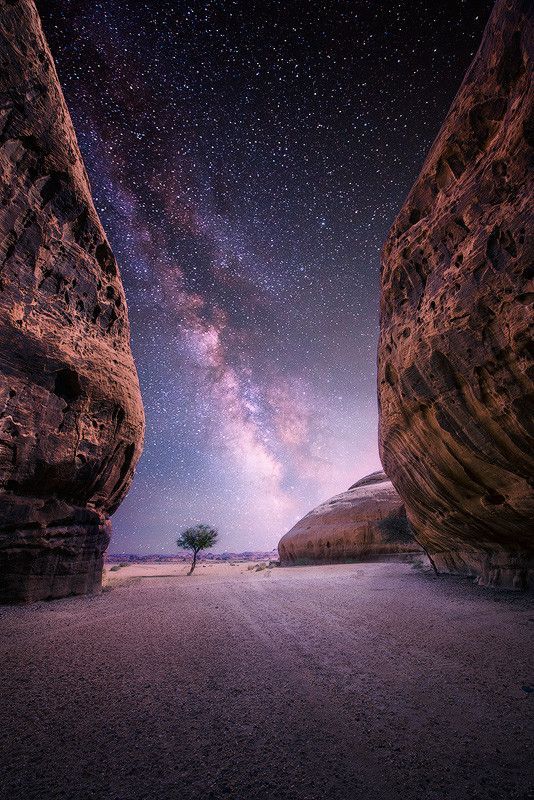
455 359
71 418
346 527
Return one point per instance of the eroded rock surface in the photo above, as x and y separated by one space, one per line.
346 526
71 418
455 353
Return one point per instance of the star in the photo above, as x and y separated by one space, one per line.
247 161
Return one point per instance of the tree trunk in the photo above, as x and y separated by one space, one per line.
194 562
421 545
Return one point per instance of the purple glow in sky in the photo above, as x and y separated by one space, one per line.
247 160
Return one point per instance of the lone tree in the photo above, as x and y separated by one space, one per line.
198 538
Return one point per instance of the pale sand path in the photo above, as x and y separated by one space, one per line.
366 681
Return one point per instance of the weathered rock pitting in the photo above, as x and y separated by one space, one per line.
71 418
346 526
455 354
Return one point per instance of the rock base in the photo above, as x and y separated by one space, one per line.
497 569
60 561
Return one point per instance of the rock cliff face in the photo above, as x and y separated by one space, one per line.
71 418
346 527
455 353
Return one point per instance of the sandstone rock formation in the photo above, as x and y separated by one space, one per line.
71 418
346 527
455 353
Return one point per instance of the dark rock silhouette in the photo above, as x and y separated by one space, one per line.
71 418
346 526
455 358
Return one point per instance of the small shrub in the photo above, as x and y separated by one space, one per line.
396 529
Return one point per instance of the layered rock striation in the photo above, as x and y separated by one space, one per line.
455 361
346 527
71 418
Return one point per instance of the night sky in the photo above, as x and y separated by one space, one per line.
247 160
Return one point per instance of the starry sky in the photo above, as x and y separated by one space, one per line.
247 160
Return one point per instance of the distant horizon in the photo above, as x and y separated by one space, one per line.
150 552
258 547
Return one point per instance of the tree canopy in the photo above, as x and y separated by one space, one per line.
199 537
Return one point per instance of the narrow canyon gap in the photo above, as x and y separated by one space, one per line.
247 161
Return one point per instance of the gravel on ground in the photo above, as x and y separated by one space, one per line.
368 681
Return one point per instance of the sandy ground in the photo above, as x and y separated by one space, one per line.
114 578
364 681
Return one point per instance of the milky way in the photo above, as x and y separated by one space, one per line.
247 160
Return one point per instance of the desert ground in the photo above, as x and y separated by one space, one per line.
350 681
